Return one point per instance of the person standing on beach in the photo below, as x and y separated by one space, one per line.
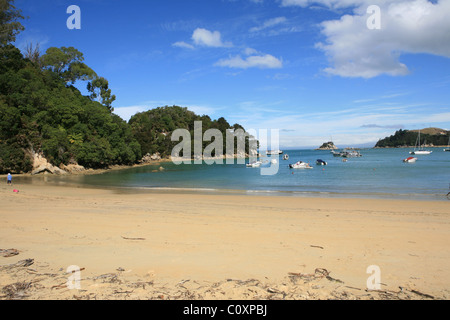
9 179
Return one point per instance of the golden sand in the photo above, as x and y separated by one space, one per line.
197 246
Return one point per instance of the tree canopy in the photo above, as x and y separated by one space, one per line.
153 128
9 24
39 112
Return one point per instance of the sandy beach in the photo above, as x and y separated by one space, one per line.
199 246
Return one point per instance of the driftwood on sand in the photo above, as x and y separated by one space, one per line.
6 253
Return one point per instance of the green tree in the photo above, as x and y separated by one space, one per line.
10 27
99 89
68 64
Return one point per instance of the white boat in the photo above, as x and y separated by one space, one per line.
300 165
420 150
274 152
255 164
351 153
448 146
286 157
410 160
347 153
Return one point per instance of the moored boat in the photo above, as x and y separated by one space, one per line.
410 160
320 162
347 153
420 150
255 164
300 165
274 152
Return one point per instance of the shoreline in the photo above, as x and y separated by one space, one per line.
43 180
91 171
196 246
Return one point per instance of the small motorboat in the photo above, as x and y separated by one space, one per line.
286 157
300 165
274 152
255 164
410 160
320 162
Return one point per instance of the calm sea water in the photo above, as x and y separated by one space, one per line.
379 173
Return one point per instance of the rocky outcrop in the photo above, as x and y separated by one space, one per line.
73 168
328 146
41 165
151 157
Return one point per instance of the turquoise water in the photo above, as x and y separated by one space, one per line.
379 173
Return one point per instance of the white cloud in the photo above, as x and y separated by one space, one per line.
182 44
203 37
269 24
254 59
328 3
407 26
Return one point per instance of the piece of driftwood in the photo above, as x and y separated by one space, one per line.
422 294
75 271
272 290
352 288
319 247
6 253
59 286
132 238
325 273
20 264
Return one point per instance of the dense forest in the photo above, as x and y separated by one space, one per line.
42 112
153 129
407 138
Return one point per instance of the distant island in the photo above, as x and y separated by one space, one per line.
328 146
430 137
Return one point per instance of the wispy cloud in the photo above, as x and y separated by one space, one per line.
347 126
254 59
269 24
393 126
182 44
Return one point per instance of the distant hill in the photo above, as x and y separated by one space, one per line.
407 138
431 131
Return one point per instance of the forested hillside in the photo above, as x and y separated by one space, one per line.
42 112
406 138
153 128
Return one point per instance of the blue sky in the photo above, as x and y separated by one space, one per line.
311 68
